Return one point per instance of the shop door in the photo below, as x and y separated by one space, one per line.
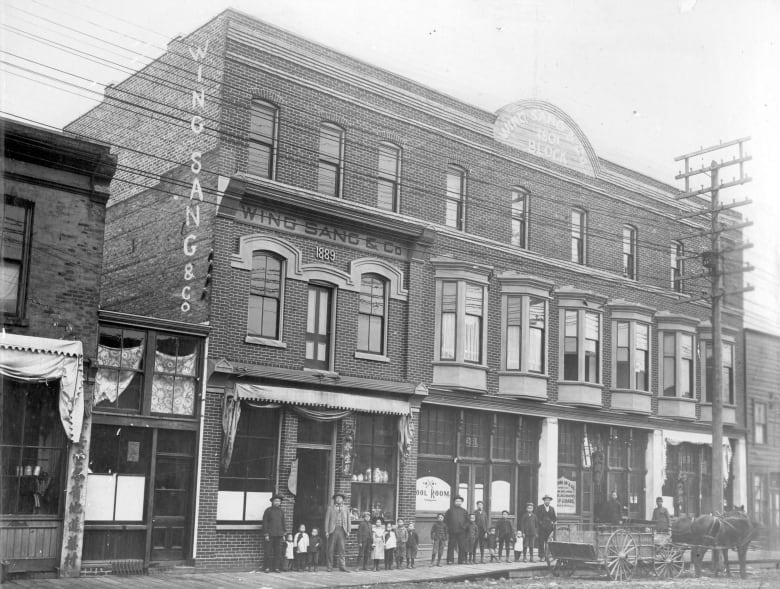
472 480
172 504
313 485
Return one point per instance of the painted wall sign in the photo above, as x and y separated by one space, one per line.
433 494
263 217
545 131
566 496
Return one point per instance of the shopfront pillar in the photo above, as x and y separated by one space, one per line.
739 464
654 460
548 458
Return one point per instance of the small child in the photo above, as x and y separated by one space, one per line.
315 546
365 537
301 548
401 537
411 546
472 539
530 529
378 551
518 545
439 537
390 545
289 552
492 543
505 535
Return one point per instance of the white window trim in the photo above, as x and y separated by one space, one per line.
705 338
262 102
460 222
381 357
570 299
633 314
342 151
677 324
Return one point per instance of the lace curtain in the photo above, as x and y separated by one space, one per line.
110 382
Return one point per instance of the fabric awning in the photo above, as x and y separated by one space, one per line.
347 401
37 359
676 437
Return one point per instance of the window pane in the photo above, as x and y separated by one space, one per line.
622 334
448 336
452 217
474 300
592 326
641 357
388 161
326 179
686 376
670 389
571 324
386 195
473 339
536 350
330 143
570 364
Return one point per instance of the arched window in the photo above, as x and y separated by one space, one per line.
372 314
456 196
265 296
262 139
331 160
388 176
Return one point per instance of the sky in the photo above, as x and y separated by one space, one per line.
646 80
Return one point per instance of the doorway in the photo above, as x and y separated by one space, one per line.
471 484
313 484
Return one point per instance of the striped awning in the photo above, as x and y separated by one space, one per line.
318 398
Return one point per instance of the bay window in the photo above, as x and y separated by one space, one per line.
677 366
581 345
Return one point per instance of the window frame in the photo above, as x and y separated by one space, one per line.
458 201
677 266
270 142
326 160
635 316
759 424
678 359
459 328
383 318
329 337
259 337
581 314
579 236
727 395
369 485
18 315
393 180
630 266
520 217
524 344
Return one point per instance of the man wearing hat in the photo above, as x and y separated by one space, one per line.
456 519
337 524
545 514
274 526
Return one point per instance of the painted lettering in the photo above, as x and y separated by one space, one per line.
200 52
194 214
189 248
196 164
185 292
198 98
196 124
196 190
188 271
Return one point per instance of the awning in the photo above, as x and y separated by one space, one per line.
36 359
347 401
676 437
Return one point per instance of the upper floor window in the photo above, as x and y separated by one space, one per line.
372 313
629 252
578 235
262 138
520 217
16 226
581 345
759 423
461 321
677 374
331 160
677 266
456 195
318 327
632 357
727 378
526 321
388 176
265 296
146 371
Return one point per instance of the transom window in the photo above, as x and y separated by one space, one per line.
629 252
388 176
16 225
581 345
632 363
262 138
331 160
578 235
526 319
265 296
519 217
318 327
677 373
678 252
372 313
456 195
727 378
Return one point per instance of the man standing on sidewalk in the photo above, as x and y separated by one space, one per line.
456 519
337 524
545 515
482 529
274 526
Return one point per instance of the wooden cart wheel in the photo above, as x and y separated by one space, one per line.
669 561
564 567
621 553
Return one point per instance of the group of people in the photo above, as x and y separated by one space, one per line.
386 542
468 533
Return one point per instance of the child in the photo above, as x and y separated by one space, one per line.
365 541
301 548
518 545
411 546
378 552
439 537
472 539
390 545
315 546
505 534
401 537
492 542
289 552
530 529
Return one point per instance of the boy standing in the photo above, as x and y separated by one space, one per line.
315 547
530 529
411 546
492 542
401 537
505 535
661 517
472 539
365 536
439 536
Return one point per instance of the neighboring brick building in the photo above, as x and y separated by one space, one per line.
762 407
55 190
408 297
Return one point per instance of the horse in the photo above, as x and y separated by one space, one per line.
719 533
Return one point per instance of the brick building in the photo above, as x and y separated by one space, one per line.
408 297
762 375
55 189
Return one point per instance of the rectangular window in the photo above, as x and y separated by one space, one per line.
537 313
759 423
375 462
642 357
449 313
32 448
16 224
623 355
262 139
581 346
578 233
525 333
265 296
504 437
514 323
475 437
632 350
175 374
245 488
473 324
519 217
456 186
677 266
592 331
629 252
670 364
686 365
371 315
318 324
119 383
727 378
331 160
388 176
437 430
571 346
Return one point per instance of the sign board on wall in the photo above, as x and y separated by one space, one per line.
545 131
433 494
566 499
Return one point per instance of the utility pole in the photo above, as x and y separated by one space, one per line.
713 260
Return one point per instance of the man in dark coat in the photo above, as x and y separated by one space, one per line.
545 515
613 510
482 528
274 527
456 520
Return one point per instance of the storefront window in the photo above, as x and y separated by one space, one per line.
687 477
438 426
501 489
475 441
32 442
374 472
